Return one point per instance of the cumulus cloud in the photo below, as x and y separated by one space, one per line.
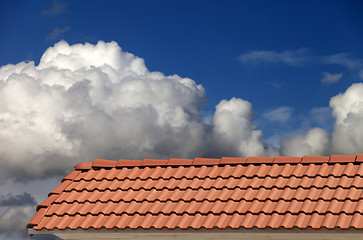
348 129
329 78
280 114
315 142
16 218
86 101
235 132
347 134
289 57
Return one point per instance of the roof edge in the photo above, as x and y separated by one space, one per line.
307 159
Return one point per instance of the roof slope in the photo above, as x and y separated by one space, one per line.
255 192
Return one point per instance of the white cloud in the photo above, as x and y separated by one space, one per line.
96 101
348 112
315 142
235 132
289 57
86 101
329 78
280 114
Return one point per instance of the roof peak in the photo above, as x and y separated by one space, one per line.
307 159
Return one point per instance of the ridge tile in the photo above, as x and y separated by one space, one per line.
232 160
180 162
285 159
314 159
154 162
265 160
206 161
341 158
83 166
128 163
103 163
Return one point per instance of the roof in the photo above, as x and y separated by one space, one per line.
312 192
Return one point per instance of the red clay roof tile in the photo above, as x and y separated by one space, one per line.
259 160
83 166
154 162
315 159
206 161
341 158
180 162
232 160
359 158
102 163
285 159
280 192
128 163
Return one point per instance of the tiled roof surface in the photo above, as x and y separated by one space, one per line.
255 192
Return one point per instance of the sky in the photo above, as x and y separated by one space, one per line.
81 80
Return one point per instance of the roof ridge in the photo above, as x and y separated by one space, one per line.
307 159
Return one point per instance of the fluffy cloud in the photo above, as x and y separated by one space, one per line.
348 112
235 132
315 142
89 101
347 135
85 101
16 218
329 78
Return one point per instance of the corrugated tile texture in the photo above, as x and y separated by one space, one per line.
277 193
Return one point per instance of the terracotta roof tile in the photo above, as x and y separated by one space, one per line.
102 163
341 158
359 158
259 160
83 166
284 159
206 161
232 160
315 159
281 192
128 163
154 162
179 162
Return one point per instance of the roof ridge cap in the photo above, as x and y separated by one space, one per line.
306 159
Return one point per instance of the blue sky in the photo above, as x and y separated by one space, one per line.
204 40
253 78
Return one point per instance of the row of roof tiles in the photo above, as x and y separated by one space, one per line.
213 172
101 163
225 194
217 183
222 193
223 221
218 207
